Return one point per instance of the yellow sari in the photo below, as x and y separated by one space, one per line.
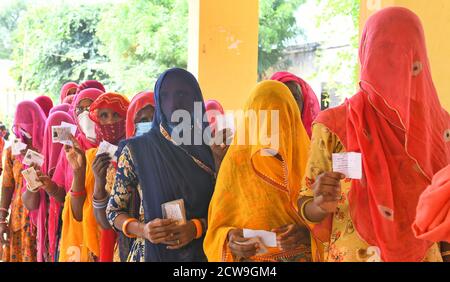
79 240
260 192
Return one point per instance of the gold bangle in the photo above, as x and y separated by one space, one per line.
445 254
198 228
302 211
125 225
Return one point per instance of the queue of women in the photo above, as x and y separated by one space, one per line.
95 207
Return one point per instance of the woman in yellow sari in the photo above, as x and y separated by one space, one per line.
257 187
91 188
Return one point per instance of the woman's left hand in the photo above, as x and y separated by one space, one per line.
220 145
291 236
182 235
100 167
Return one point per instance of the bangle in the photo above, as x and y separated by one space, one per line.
105 199
125 225
445 254
302 211
198 228
77 194
100 204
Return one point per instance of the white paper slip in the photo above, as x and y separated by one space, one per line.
268 238
174 210
73 127
349 164
31 177
262 247
61 133
32 157
17 146
106 147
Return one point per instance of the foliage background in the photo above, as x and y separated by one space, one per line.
125 44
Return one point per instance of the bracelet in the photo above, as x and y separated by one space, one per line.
77 194
105 199
100 204
198 228
124 227
445 254
302 211
3 221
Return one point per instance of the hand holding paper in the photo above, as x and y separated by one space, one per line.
17 147
61 134
106 147
32 179
174 210
349 164
32 157
268 238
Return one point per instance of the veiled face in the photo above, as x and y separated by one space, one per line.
296 91
108 116
176 94
144 115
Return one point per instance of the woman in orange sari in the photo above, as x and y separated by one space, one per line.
258 185
91 189
29 123
398 125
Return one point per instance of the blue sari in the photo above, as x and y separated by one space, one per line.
169 172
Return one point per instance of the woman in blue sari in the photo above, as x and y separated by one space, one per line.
168 170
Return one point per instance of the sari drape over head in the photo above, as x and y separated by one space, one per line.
51 152
213 110
254 189
60 108
65 90
98 240
71 247
398 125
169 172
138 102
46 104
311 106
94 84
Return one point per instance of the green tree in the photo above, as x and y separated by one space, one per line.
142 39
9 16
277 24
126 44
53 46
340 69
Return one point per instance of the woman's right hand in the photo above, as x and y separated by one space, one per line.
327 191
236 243
75 155
159 230
4 232
44 178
